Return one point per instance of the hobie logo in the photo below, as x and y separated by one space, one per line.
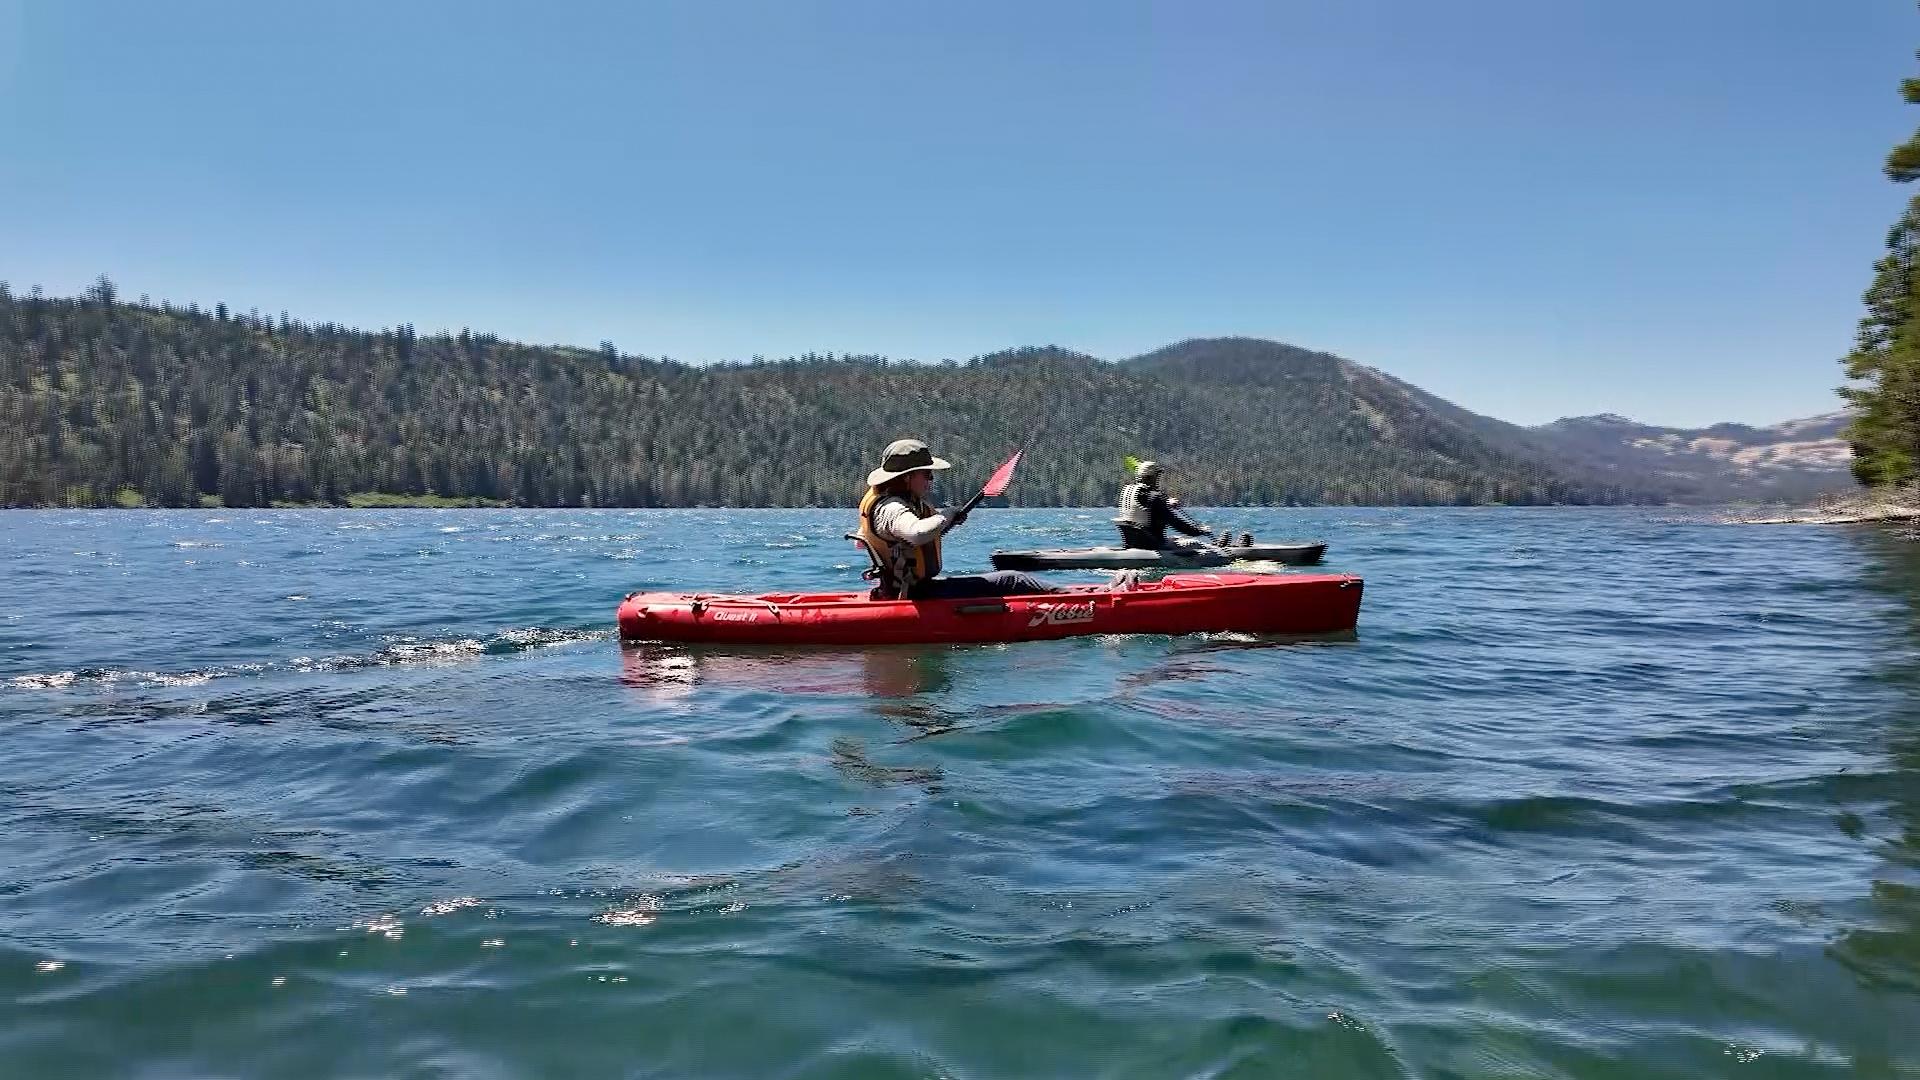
1055 614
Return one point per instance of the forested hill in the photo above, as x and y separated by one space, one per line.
104 402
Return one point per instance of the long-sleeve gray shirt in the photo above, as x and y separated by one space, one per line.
894 520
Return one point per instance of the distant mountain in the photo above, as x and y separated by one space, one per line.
104 402
1374 419
1722 463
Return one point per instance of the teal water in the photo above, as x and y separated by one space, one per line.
1593 793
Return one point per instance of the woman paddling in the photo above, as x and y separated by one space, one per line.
902 530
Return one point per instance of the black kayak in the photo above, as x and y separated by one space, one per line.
1178 558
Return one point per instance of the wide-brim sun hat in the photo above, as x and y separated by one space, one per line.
902 457
1146 469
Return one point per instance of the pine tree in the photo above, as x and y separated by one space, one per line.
103 292
1886 357
1886 430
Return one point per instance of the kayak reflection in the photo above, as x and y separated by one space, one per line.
898 671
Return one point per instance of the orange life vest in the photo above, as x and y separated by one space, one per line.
901 565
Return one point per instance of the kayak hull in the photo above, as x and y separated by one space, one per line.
1178 604
1110 558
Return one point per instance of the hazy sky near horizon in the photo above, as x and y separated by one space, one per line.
1661 208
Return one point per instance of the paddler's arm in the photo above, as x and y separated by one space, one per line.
1171 508
893 520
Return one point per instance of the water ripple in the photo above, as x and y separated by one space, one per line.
1590 793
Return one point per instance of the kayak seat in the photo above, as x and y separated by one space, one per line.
872 572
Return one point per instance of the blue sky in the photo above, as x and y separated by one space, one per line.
1662 208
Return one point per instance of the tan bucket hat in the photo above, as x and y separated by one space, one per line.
902 457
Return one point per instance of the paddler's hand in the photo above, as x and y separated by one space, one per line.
955 520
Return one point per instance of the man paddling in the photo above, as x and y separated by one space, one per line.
902 531
1146 512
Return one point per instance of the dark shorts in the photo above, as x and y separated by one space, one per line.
997 583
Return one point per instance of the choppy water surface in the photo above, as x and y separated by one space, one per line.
1593 793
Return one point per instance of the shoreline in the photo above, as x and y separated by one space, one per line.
1876 509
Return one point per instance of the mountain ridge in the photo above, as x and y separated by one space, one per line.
105 402
1793 459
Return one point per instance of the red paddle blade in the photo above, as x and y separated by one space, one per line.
1002 476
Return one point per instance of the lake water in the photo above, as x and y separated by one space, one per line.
1592 793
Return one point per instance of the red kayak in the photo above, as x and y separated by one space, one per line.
1176 604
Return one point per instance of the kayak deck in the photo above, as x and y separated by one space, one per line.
1179 558
1178 604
